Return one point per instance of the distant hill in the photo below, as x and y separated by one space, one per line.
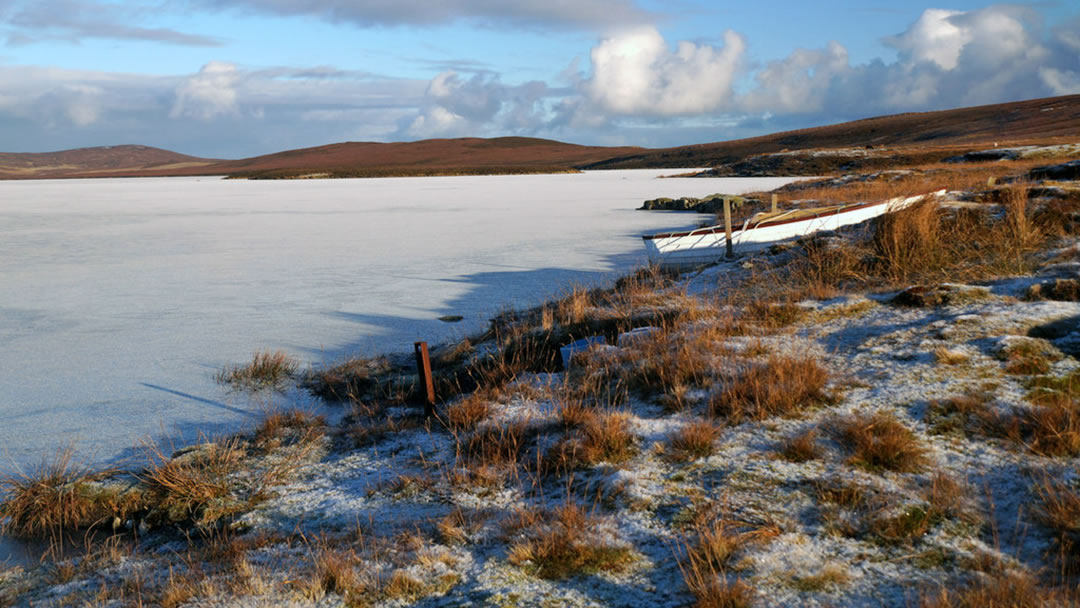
926 136
105 161
1041 120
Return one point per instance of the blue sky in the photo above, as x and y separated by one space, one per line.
232 78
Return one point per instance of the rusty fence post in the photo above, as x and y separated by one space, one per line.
423 369
727 226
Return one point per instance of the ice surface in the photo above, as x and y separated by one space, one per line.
120 298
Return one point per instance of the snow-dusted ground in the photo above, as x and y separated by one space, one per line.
119 299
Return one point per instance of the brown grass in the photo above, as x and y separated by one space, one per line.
946 356
289 427
881 442
564 544
1011 591
802 447
693 440
494 446
602 437
780 387
1052 429
60 496
196 487
468 412
268 369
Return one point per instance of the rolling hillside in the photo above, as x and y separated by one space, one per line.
897 139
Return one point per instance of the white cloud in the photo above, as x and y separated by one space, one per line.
934 38
637 73
208 94
83 106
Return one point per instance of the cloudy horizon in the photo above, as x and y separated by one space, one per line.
236 78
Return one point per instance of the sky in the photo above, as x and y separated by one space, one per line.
238 78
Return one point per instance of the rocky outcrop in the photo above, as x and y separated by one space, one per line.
714 203
1061 172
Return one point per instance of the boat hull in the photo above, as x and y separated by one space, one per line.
708 245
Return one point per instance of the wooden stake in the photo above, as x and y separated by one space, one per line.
774 203
423 369
727 227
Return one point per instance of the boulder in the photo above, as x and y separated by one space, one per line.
1063 172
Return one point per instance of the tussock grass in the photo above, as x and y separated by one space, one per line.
197 486
1012 590
267 370
1052 429
802 447
60 496
601 437
830 576
1059 508
563 543
289 427
494 446
468 412
780 387
881 442
1029 356
693 440
349 380
946 356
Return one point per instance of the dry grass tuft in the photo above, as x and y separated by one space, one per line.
1059 508
289 427
468 412
1029 356
782 386
60 496
268 369
564 543
601 437
494 446
693 440
1009 591
881 442
802 447
946 356
195 486
1052 429
829 577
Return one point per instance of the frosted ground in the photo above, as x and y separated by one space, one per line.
119 299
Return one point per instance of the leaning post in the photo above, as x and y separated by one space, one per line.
727 227
423 369
774 203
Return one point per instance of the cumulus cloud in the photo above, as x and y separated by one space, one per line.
945 59
551 14
208 94
454 105
636 73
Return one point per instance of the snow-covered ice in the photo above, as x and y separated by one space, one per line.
120 298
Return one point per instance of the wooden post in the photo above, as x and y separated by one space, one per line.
774 203
727 226
423 369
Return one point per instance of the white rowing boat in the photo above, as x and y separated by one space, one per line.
707 245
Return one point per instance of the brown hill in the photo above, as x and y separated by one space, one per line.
105 161
908 138
446 154
1049 120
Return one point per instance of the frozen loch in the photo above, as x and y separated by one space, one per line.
120 299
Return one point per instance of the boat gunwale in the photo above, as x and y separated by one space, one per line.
768 224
